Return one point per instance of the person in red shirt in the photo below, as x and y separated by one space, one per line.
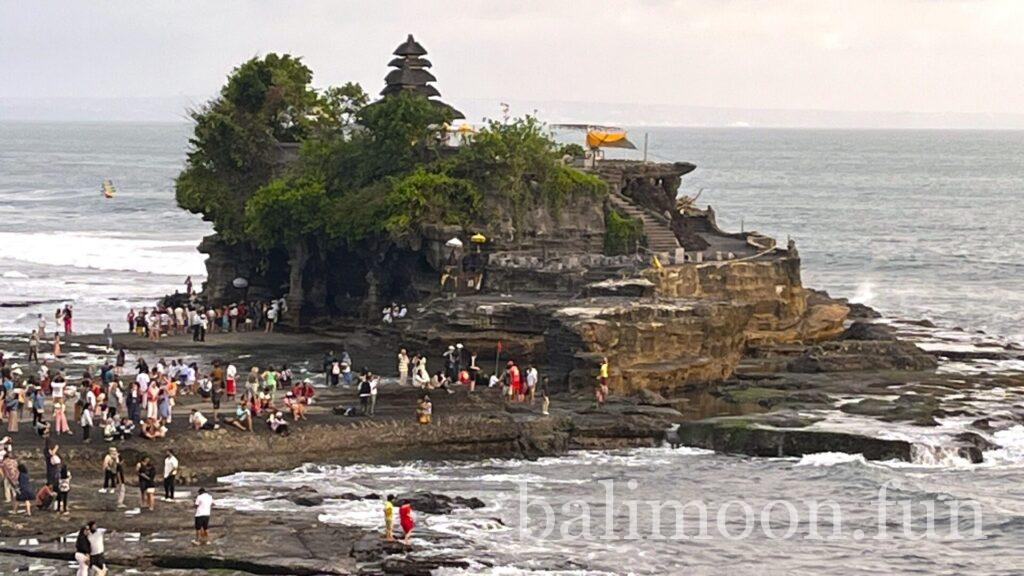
304 390
514 380
406 519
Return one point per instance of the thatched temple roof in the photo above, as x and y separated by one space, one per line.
410 73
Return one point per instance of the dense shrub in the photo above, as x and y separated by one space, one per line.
622 234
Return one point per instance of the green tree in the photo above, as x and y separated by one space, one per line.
398 133
284 211
518 160
234 147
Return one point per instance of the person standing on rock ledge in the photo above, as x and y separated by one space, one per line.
204 506
170 475
96 549
601 390
408 523
33 347
389 518
147 483
403 367
82 550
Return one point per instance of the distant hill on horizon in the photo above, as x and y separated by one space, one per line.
175 109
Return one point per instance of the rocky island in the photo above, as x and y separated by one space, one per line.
500 239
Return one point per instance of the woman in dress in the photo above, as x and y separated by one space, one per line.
163 405
56 344
153 395
407 521
25 492
60 418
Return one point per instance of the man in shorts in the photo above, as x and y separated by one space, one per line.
96 549
147 483
204 505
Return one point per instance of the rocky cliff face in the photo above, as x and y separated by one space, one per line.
782 311
654 345
265 273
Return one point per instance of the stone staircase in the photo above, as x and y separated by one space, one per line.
660 237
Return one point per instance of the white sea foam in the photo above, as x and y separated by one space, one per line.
1011 447
101 252
829 459
14 274
864 293
937 456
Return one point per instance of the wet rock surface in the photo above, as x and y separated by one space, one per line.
863 356
754 436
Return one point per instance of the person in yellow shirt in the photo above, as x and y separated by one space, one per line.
601 391
389 518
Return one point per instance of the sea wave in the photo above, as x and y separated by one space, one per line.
99 252
830 459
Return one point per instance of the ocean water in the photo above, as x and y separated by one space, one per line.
62 242
593 513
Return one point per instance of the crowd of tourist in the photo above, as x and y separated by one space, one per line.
187 318
118 400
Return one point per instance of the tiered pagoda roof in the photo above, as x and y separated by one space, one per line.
410 73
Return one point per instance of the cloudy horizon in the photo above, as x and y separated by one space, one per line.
911 63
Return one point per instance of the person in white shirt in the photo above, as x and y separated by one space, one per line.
531 382
96 549
204 505
271 319
143 381
200 422
57 388
179 317
170 474
231 382
374 384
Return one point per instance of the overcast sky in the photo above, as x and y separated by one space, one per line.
858 55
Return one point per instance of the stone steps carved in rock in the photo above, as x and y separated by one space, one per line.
660 237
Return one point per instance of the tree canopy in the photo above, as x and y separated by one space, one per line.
233 148
364 169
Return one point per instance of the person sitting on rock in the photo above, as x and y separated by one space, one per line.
124 429
199 422
277 424
109 430
153 428
304 391
265 400
420 376
424 410
440 380
297 407
243 417
44 497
